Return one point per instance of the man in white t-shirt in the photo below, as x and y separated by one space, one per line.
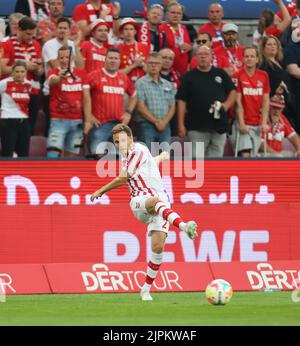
149 199
51 47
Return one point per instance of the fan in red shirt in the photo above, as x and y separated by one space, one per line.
14 123
23 47
230 54
280 128
215 24
267 25
252 104
66 106
94 50
105 101
91 10
133 53
177 37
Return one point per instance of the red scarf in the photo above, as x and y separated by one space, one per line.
144 35
30 54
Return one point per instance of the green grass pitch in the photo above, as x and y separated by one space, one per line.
167 309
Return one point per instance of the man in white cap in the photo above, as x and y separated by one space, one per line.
94 50
133 53
230 53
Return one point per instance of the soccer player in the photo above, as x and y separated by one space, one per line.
149 200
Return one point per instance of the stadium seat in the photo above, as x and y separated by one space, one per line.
38 146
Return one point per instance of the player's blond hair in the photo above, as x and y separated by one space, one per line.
122 128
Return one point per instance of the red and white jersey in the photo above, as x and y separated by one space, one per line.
15 98
66 98
145 178
87 12
93 54
278 131
131 52
107 94
14 50
252 90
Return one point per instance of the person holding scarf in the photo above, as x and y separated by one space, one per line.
150 33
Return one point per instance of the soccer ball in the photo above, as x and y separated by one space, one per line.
218 292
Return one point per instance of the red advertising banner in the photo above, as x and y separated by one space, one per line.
231 182
120 278
128 278
279 275
111 234
23 279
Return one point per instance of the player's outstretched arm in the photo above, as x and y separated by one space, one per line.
164 156
114 184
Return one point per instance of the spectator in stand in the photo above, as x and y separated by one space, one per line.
47 28
292 62
206 120
94 50
215 24
191 30
24 47
35 9
14 123
230 54
253 99
104 101
177 37
91 10
51 47
133 53
66 107
267 25
156 104
167 71
203 39
271 61
150 33
13 24
279 128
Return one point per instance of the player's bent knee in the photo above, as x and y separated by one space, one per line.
150 204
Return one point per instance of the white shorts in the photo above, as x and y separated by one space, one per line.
154 222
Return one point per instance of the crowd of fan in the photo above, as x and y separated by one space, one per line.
165 79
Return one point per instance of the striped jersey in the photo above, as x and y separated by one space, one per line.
145 178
